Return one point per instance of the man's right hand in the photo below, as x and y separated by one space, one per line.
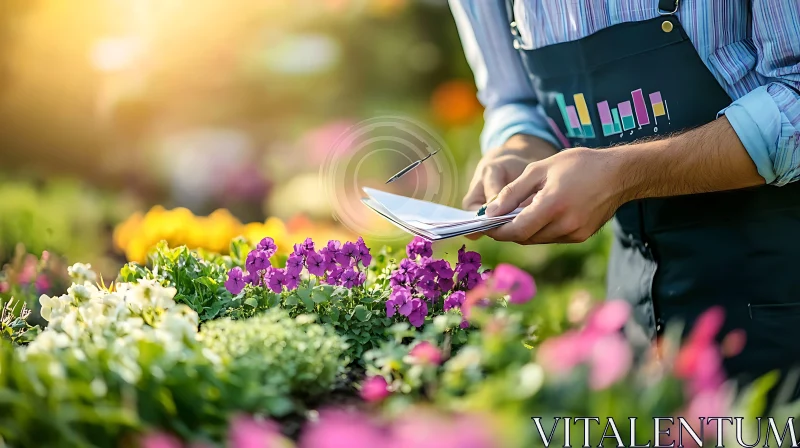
502 165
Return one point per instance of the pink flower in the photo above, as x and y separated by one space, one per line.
511 280
426 353
161 440
609 316
611 359
374 389
734 343
3 287
708 325
425 429
563 353
341 429
247 432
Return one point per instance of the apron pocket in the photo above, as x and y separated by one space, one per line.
773 310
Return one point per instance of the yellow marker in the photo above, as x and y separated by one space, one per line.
583 111
658 109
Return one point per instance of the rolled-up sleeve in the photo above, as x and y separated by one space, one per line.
503 85
767 119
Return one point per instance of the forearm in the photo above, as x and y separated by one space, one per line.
707 159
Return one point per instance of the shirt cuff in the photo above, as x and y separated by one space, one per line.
757 121
510 119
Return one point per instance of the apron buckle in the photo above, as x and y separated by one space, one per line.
665 11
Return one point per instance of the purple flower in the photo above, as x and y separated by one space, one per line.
333 276
398 279
362 278
454 300
429 268
292 280
276 279
443 269
399 297
315 263
469 258
464 324
429 288
363 252
349 278
250 262
348 254
419 309
294 263
253 278
472 279
330 251
267 245
260 259
235 282
446 284
304 248
419 247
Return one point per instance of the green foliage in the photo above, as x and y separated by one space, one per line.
61 216
281 363
198 278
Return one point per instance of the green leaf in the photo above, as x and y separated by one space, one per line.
319 296
291 300
361 313
251 301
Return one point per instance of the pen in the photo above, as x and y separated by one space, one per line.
409 168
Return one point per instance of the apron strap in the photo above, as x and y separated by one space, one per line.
667 7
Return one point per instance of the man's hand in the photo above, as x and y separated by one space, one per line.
502 165
575 192
571 194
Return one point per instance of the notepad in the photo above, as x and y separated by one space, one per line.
430 220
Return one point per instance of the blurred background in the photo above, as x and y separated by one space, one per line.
124 122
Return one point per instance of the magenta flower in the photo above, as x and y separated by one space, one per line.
235 282
4 287
469 258
342 429
292 280
247 432
330 251
511 280
161 440
304 248
610 359
609 317
348 255
363 252
426 353
261 260
268 246
398 298
334 276
349 278
425 429
374 389
276 279
454 300
419 247
294 263
316 265
419 309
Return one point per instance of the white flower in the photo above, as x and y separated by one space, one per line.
82 273
82 292
53 306
531 378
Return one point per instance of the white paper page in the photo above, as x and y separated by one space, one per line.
426 214
434 234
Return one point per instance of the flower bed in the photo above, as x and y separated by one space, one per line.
337 345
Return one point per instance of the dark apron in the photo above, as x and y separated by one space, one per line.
674 258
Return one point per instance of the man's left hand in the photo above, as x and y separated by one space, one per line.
573 194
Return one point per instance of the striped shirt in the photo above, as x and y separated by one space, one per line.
752 47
